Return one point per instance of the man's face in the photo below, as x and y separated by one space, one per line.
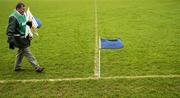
21 10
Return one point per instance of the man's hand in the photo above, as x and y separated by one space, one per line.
29 23
30 37
11 45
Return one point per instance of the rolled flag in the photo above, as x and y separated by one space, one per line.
28 32
39 24
36 23
30 17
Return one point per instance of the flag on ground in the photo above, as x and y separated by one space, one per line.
110 43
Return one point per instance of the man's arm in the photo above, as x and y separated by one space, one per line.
11 28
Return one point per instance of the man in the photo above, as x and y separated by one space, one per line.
16 38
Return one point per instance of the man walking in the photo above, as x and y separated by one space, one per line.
16 38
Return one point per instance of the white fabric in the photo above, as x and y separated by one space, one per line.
30 17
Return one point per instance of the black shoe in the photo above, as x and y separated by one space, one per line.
39 69
18 69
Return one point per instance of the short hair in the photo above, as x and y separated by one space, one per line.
19 5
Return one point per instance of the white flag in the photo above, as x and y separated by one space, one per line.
30 31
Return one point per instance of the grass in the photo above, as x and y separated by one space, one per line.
149 30
149 88
65 44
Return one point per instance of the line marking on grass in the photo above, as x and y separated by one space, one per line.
97 50
91 78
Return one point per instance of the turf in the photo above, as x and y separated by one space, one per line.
143 88
149 30
65 46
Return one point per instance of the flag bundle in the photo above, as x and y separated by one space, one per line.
35 24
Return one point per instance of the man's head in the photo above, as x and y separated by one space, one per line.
20 7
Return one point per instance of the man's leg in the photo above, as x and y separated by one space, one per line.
18 61
27 53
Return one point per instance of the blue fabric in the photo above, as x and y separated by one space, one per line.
38 22
111 43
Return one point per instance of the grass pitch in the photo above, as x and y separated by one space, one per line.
149 30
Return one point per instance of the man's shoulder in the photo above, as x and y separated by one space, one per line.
12 18
12 15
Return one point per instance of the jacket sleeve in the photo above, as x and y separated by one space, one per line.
11 29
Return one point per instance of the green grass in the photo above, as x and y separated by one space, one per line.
65 46
130 88
149 30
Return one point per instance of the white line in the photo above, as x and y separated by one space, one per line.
41 80
142 77
92 78
97 55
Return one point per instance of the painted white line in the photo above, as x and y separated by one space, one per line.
43 80
91 78
97 50
142 77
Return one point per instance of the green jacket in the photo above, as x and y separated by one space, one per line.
16 30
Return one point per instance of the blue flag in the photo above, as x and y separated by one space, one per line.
110 43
